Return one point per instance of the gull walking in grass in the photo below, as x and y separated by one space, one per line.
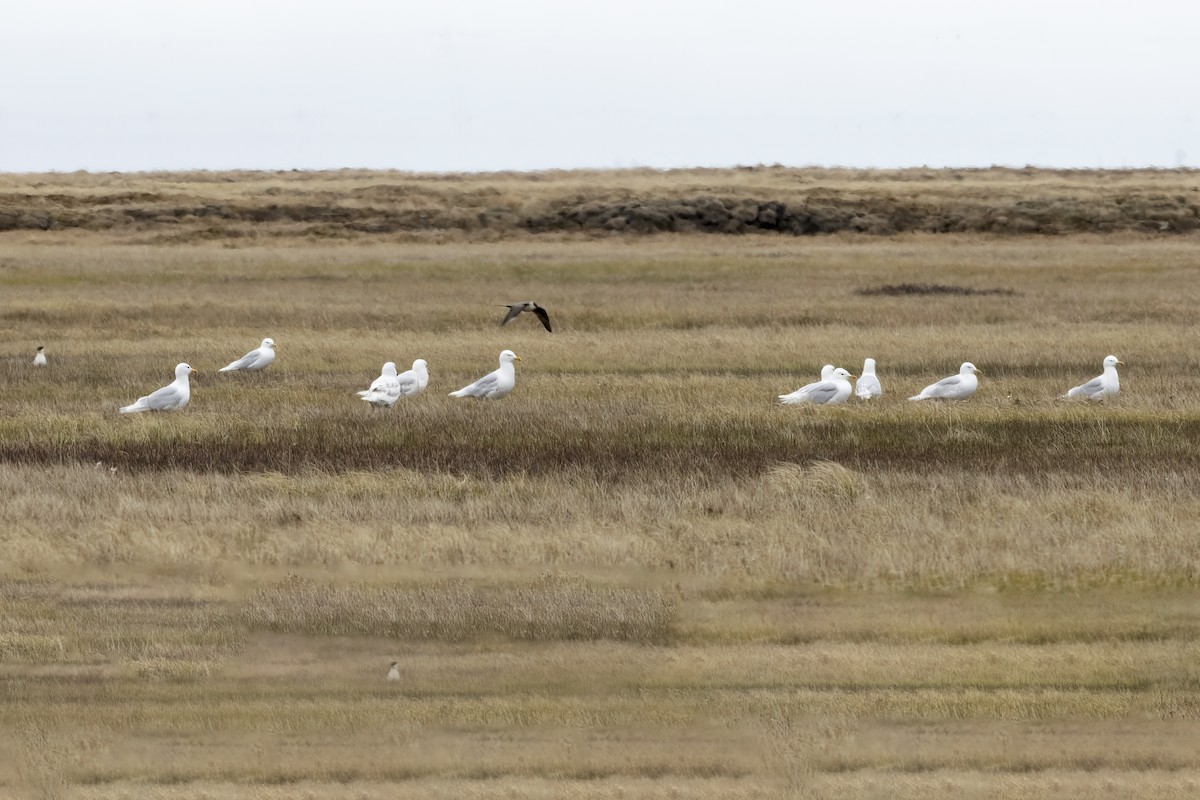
496 384
867 385
390 387
39 358
514 309
258 358
956 387
394 671
1105 385
170 397
833 391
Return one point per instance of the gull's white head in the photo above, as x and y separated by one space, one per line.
1112 361
967 368
827 372
182 371
869 367
508 357
841 374
420 364
389 368
268 342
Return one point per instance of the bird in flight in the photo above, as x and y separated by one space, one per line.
516 308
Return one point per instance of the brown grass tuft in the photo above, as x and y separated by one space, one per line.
551 608
823 478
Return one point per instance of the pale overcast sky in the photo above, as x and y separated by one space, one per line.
470 85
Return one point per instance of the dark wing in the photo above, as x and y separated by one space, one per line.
543 316
513 310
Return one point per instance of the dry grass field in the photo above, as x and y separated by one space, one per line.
637 575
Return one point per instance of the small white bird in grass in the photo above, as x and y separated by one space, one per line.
384 391
415 380
1107 384
822 393
173 396
394 671
867 385
827 372
390 387
496 384
39 359
258 358
956 387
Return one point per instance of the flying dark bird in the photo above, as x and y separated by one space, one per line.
516 308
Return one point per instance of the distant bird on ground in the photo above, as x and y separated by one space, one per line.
1106 385
415 380
867 385
394 671
384 390
39 359
496 384
516 308
170 397
827 372
956 387
258 358
822 393
390 387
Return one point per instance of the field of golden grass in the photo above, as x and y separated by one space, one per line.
636 576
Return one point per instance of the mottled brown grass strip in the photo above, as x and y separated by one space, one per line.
550 608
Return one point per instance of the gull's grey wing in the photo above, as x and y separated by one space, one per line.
868 382
165 399
244 361
485 384
543 316
945 385
513 310
822 392
409 383
1090 388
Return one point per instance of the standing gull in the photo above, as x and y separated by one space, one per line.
516 308
394 671
258 358
384 390
1105 385
39 360
867 385
956 387
822 393
415 380
495 384
390 387
170 397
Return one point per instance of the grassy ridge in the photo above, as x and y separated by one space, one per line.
348 204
